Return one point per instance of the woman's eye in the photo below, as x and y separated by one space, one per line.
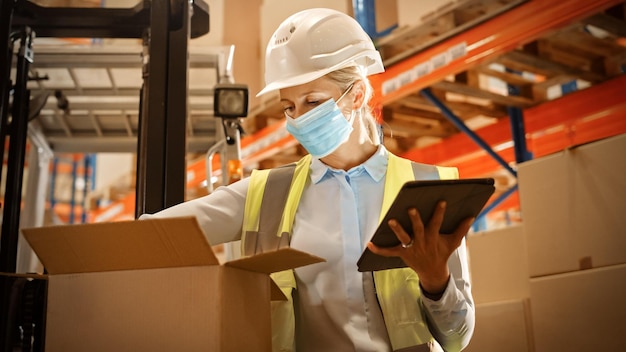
288 109
313 103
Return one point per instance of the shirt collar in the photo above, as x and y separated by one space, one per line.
375 166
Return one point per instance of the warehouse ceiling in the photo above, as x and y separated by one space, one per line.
94 92
101 84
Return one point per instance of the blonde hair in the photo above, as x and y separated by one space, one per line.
346 76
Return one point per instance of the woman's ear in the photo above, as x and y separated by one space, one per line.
359 95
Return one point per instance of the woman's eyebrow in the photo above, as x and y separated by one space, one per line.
304 95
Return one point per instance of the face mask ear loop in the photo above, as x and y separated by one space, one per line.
345 92
353 116
351 119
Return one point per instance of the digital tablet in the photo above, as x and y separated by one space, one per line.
464 198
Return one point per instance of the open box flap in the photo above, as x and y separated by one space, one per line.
125 245
276 294
275 261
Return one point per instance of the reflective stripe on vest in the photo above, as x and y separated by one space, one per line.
268 196
397 290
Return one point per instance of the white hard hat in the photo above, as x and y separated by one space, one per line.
314 42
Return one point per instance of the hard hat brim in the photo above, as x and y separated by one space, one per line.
374 68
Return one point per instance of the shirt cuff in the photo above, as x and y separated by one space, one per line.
436 297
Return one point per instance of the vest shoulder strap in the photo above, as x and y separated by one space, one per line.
272 192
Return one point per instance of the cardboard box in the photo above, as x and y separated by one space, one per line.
154 285
580 311
573 206
502 326
498 265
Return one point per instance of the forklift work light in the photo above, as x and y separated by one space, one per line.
230 100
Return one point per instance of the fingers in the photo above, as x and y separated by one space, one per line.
385 252
406 241
437 218
401 234
465 225
462 230
425 238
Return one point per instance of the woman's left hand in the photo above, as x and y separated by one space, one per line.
428 251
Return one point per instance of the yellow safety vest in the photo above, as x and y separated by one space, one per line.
269 215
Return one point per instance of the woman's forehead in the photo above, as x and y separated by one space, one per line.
320 85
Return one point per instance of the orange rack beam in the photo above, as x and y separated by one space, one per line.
516 27
580 117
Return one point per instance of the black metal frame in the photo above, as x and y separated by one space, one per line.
17 130
161 146
63 22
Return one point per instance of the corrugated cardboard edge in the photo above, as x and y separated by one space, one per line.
275 261
125 245
26 275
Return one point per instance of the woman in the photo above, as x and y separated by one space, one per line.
319 60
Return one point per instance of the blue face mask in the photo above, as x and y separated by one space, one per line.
321 130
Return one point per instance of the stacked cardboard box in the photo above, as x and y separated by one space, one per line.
501 290
558 282
574 213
